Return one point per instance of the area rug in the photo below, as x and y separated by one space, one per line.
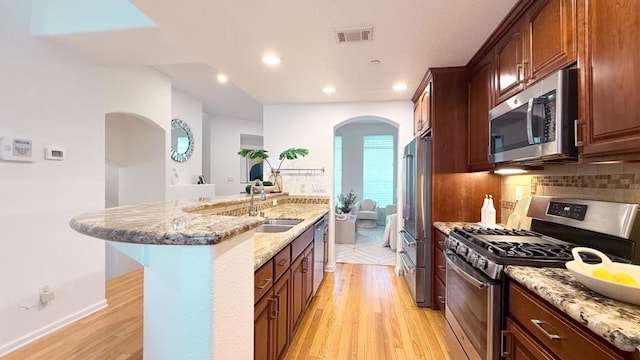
366 249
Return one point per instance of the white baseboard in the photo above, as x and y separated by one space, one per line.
399 271
46 330
330 268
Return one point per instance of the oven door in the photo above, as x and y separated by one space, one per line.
472 311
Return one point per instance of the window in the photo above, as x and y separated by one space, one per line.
337 175
377 169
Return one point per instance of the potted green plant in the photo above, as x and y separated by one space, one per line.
346 202
275 177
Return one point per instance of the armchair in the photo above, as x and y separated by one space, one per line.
367 212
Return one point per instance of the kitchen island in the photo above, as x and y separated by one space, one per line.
199 258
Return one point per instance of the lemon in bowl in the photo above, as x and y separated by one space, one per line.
612 279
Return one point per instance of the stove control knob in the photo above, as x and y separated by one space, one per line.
472 258
451 244
462 250
482 263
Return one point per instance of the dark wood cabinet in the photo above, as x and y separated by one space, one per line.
263 333
281 323
283 291
480 102
301 286
509 63
550 37
520 346
271 321
537 330
439 271
422 110
610 80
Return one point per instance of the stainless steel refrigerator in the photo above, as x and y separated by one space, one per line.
416 213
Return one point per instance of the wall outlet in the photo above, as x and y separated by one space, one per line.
46 294
275 202
518 193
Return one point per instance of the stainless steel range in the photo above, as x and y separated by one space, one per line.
475 306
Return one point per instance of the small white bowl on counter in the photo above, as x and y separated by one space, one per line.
583 272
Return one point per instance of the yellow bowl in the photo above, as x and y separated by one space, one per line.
583 272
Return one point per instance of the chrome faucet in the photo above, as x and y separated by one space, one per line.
252 210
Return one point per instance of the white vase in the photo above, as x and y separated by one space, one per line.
276 180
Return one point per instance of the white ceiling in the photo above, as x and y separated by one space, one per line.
195 39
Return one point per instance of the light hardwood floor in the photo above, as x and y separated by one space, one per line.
360 312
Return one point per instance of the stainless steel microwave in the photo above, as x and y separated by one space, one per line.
538 124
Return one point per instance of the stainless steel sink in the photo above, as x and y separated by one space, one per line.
273 228
284 221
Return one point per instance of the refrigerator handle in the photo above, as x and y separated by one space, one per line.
407 205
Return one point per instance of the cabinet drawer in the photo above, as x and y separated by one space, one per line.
565 339
440 238
263 280
440 265
282 262
298 245
439 293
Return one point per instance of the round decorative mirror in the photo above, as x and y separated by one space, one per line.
181 140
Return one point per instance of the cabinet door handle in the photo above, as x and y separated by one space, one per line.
442 268
441 244
505 336
576 123
441 298
305 265
537 323
283 262
273 309
520 70
264 285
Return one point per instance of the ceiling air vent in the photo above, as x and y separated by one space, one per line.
354 34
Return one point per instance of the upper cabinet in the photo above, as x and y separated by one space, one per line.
480 102
510 59
422 110
540 42
609 83
550 37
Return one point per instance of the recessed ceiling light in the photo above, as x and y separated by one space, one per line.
400 87
271 60
328 89
222 78
375 61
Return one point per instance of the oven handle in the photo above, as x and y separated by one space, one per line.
408 268
477 283
407 238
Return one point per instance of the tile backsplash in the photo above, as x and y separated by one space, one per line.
607 182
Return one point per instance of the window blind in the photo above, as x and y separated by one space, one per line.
377 174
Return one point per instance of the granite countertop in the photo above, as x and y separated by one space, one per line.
268 245
615 321
192 222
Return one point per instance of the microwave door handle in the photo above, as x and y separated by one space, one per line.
530 121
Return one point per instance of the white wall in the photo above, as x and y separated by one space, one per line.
312 126
189 110
145 93
51 97
224 136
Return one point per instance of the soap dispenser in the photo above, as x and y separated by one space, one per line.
483 210
491 213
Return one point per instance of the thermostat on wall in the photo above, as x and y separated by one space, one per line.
14 149
54 153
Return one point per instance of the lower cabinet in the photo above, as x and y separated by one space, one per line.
282 294
439 271
301 286
537 330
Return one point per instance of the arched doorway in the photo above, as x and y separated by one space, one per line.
365 165
134 172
